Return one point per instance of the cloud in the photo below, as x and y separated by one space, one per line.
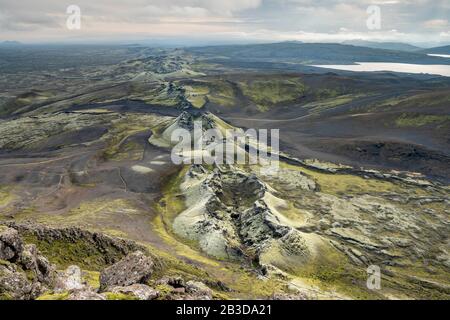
45 19
436 23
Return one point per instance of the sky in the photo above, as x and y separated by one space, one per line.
424 22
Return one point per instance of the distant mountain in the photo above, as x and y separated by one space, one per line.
10 43
398 46
438 50
311 53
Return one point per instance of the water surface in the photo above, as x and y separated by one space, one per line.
436 69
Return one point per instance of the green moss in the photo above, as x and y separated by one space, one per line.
5 196
117 145
169 207
221 93
93 214
82 253
317 107
23 100
347 184
119 296
422 100
5 296
217 91
164 291
267 93
54 296
92 278
197 95
326 93
127 151
330 270
421 120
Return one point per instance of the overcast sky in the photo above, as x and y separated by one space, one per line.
414 21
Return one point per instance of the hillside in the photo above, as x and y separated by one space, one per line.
438 50
313 53
397 46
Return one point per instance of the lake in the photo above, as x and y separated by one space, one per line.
437 69
439 55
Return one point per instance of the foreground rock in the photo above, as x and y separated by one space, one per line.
109 248
80 295
32 260
139 291
199 289
11 245
15 285
287 296
70 280
179 289
24 272
133 269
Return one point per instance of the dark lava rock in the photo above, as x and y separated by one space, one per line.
11 245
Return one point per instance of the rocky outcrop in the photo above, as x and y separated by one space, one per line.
14 284
111 249
199 289
136 268
24 272
69 280
33 261
229 215
11 245
188 120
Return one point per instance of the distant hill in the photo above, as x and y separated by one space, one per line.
438 50
398 46
10 43
312 53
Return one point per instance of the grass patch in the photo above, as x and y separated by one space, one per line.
119 296
197 95
422 120
221 93
330 271
118 148
54 296
92 278
5 196
64 253
92 214
267 93
345 184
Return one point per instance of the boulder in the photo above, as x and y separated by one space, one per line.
81 295
32 260
140 291
70 280
198 289
11 244
175 282
15 285
287 296
134 268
